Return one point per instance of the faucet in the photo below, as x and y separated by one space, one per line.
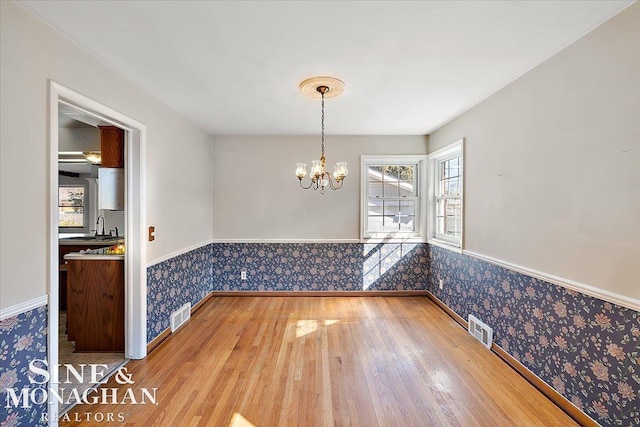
98 226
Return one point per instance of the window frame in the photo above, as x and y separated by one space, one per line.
453 150
419 161
85 205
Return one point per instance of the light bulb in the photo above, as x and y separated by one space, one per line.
340 171
316 169
301 170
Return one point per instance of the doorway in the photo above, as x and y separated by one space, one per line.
133 228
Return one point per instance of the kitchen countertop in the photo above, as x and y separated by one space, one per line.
96 254
92 257
89 241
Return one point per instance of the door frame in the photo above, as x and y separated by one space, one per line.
135 298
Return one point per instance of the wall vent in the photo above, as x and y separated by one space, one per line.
482 332
180 316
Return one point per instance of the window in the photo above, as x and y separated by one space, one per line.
71 208
392 197
445 195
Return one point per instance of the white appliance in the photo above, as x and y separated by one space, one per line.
111 189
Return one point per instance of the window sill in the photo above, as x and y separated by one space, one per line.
445 245
391 239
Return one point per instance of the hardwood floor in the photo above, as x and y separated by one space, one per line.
323 361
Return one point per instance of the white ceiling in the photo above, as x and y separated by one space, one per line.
233 67
70 118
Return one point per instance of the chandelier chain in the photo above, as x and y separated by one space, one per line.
322 119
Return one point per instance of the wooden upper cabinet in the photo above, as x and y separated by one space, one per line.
111 147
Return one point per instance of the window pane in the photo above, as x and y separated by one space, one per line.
406 173
70 196
453 186
391 208
407 189
407 207
375 172
407 223
375 207
375 189
71 217
374 217
451 226
453 167
374 223
390 188
458 226
390 223
453 207
449 217
391 173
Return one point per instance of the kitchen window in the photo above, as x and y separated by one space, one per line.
445 196
392 205
72 215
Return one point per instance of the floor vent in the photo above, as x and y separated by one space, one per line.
180 316
482 332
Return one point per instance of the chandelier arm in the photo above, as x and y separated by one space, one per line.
330 179
337 185
307 187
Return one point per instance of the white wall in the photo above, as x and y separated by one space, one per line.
553 163
256 194
178 154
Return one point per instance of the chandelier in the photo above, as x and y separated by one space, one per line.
322 87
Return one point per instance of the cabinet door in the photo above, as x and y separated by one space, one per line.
95 308
111 189
111 147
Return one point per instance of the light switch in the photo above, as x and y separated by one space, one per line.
152 235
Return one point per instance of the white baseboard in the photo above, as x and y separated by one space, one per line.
23 307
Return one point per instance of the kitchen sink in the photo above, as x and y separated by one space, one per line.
86 238
79 238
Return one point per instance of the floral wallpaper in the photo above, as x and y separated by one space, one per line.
318 266
586 348
22 339
172 283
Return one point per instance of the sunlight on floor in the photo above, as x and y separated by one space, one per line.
441 382
238 420
304 327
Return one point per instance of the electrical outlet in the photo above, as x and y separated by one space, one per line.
441 284
243 275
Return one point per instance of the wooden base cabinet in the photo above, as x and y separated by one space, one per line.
62 277
95 304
